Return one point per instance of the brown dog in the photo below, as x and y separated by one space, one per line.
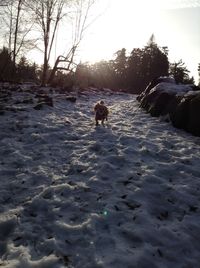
101 112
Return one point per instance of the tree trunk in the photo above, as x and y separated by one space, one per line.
16 33
45 68
53 72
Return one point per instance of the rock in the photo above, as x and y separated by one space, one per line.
38 106
180 103
181 115
159 105
157 81
171 106
148 100
193 117
44 99
71 98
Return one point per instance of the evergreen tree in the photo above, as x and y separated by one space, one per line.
6 65
27 71
180 73
120 66
154 62
146 64
134 74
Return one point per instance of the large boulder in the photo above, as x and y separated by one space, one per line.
181 115
180 102
159 106
193 116
157 81
149 99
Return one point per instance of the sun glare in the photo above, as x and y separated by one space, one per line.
130 23
124 24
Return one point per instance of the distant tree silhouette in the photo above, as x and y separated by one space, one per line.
152 40
27 71
199 74
82 75
100 74
134 69
120 67
17 24
155 62
107 72
146 64
132 73
6 65
180 73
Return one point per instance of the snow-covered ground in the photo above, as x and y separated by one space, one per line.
73 195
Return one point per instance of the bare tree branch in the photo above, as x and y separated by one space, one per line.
81 17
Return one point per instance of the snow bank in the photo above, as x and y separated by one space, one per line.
172 88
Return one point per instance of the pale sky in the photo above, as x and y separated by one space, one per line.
130 23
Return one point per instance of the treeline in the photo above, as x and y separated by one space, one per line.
23 71
30 25
133 73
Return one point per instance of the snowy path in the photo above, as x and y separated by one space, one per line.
74 195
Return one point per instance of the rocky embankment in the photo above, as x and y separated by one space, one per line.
20 97
180 104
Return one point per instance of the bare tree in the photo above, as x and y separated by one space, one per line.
48 14
17 27
80 14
